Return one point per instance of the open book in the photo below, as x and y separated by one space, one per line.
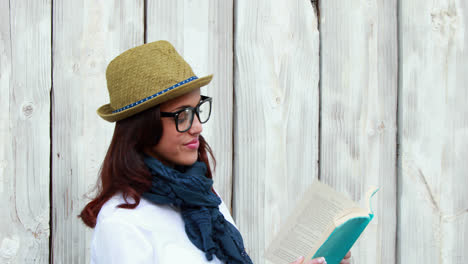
325 223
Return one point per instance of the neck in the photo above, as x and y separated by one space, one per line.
163 161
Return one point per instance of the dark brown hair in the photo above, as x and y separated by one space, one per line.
123 168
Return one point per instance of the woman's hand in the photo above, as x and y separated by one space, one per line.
313 261
345 260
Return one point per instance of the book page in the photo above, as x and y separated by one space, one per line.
304 228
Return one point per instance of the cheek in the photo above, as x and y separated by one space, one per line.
170 147
171 138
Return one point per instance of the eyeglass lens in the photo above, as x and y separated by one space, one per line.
185 118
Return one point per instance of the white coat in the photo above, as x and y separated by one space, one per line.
148 234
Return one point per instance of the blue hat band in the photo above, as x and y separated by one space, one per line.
155 95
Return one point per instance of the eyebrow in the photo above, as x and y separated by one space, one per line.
185 106
181 107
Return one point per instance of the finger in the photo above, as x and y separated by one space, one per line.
320 260
345 261
299 260
348 255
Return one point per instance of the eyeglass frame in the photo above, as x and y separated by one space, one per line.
193 110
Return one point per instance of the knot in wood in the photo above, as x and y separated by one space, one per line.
27 110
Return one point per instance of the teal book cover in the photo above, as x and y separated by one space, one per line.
344 236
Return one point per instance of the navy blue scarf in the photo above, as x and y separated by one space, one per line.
190 191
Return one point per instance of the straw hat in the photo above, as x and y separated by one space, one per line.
145 76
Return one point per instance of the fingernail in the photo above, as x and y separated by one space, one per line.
300 258
322 260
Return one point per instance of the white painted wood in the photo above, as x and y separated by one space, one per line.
202 31
270 125
87 36
433 132
359 83
276 114
24 131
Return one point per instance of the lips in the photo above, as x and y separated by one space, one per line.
194 141
193 144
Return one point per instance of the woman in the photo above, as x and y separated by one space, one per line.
156 203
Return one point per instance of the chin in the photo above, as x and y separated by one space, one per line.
189 161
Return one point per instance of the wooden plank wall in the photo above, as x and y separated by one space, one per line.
25 82
276 114
359 83
433 125
364 92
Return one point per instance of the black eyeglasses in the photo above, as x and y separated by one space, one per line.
184 117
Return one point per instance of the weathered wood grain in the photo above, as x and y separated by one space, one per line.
24 131
359 83
87 35
265 124
276 114
202 32
433 209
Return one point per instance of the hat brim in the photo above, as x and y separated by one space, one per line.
105 111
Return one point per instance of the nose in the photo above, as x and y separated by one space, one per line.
197 127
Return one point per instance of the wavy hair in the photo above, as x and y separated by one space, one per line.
123 168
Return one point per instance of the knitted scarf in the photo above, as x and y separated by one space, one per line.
190 191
